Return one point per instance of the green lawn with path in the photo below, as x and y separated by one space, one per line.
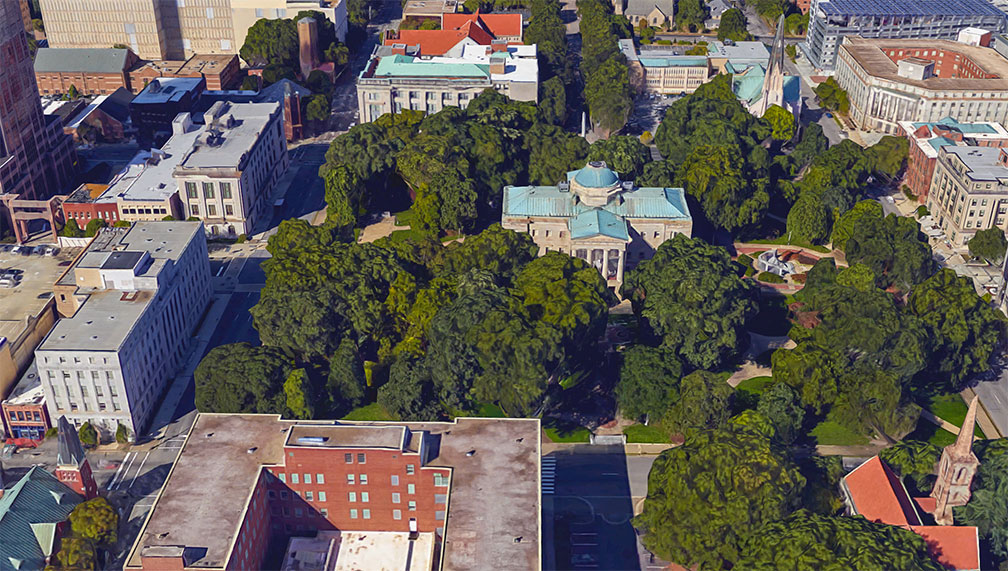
830 432
952 409
373 411
755 385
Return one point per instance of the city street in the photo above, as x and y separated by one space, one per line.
992 388
592 491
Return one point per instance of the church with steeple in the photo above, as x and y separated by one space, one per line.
956 470
759 87
72 466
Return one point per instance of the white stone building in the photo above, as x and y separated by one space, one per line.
130 305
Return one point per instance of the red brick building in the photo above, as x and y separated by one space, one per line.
927 138
221 71
93 71
82 205
25 419
261 480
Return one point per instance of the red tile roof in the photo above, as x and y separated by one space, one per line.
431 42
497 24
955 547
927 504
879 502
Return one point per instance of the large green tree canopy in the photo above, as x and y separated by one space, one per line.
806 540
708 495
691 297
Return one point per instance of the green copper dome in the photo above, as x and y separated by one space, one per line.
596 175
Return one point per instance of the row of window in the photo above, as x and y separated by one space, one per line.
208 190
21 415
211 210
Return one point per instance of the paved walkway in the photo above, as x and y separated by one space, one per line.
380 229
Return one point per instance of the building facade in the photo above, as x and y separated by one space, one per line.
238 156
830 21
36 158
130 305
161 100
171 29
610 224
969 191
927 138
301 477
90 71
396 79
888 81
24 412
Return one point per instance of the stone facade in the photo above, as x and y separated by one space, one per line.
611 224
967 193
956 469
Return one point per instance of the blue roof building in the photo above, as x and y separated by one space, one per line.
593 215
31 514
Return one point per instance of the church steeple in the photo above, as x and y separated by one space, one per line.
72 467
956 469
773 81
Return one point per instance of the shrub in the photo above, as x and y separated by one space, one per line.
922 211
122 224
168 218
770 278
908 193
122 434
744 259
71 230
53 431
241 239
646 137
88 435
93 226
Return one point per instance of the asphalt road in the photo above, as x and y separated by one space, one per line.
593 502
992 388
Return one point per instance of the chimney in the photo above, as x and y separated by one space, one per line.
308 40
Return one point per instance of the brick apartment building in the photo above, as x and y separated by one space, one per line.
243 485
927 138
24 412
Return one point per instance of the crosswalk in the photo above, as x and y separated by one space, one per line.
548 475
125 467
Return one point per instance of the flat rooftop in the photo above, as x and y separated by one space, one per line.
981 162
909 8
238 128
520 65
203 500
870 54
347 436
359 550
28 389
33 292
167 90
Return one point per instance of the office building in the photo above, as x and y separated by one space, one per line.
25 417
226 177
611 224
969 191
36 159
665 70
397 78
927 138
285 92
171 29
888 81
468 490
830 21
130 305
154 109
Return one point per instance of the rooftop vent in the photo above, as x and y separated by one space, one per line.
597 164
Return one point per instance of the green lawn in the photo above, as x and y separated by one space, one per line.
951 408
755 385
783 241
406 235
830 432
373 411
930 432
561 431
639 433
490 410
404 218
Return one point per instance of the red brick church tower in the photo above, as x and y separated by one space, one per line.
72 467
956 469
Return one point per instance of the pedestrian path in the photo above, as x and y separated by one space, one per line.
548 475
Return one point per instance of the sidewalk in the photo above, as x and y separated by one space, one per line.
166 412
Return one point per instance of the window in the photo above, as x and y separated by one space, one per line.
361 458
352 496
395 497
440 480
409 468
324 512
396 514
283 477
363 479
319 479
439 515
440 498
295 479
310 496
211 210
225 190
395 480
208 191
190 188
350 479
321 496
410 489
364 497
194 209
412 506
307 478
353 514
366 514
284 495
229 210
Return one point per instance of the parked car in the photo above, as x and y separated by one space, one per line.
16 250
39 250
51 250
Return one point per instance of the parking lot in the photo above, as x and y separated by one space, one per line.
648 111
26 283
